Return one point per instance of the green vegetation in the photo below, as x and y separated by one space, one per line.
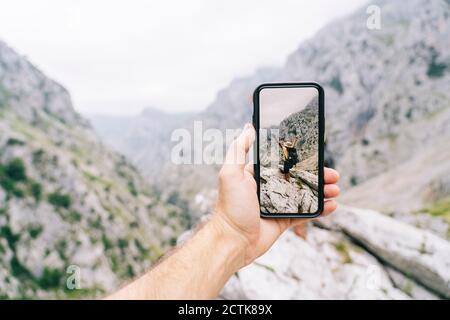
35 231
122 243
15 170
19 270
13 179
38 156
95 179
74 216
107 244
142 250
36 190
51 279
60 200
441 209
336 84
132 188
15 142
435 68
342 249
9 236
4 96
76 294
265 266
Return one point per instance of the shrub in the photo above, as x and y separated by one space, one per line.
35 231
51 278
14 142
10 236
60 200
132 188
15 170
36 190
435 68
74 216
122 243
336 84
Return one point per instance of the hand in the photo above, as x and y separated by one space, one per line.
237 210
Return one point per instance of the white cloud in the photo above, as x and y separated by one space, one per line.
120 56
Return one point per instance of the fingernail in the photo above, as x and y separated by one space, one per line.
247 126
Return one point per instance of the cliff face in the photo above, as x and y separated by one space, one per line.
304 127
66 199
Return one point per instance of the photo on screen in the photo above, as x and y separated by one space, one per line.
289 150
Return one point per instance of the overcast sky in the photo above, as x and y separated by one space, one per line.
277 104
116 57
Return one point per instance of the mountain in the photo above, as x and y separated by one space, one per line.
387 128
304 127
67 202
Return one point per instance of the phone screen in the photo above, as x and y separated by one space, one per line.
290 132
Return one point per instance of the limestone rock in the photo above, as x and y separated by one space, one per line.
422 255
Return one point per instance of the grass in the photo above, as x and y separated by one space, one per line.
342 249
440 208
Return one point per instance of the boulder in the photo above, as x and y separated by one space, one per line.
417 253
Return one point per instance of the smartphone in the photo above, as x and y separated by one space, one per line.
289 121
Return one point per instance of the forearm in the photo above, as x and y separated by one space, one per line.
197 270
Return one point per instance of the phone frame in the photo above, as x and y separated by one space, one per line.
256 121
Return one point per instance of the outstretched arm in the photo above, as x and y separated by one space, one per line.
233 237
196 270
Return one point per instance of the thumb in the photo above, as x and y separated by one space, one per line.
237 152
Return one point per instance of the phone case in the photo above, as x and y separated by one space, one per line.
256 123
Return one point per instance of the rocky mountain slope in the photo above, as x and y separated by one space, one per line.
65 198
304 127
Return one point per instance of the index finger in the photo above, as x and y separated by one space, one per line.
330 176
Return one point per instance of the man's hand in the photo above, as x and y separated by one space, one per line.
237 210
234 237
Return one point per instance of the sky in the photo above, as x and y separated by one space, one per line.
276 104
117 57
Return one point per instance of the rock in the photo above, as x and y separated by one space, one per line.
310 179
409 286
422 255
312 269
280 196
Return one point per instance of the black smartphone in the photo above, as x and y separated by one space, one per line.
289 121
